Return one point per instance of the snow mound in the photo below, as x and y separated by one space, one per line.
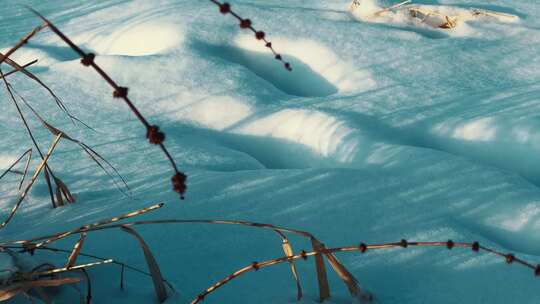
319 131
344 76
139 39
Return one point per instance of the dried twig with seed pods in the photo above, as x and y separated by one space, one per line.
245 23
153 133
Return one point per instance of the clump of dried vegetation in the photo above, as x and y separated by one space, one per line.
33 283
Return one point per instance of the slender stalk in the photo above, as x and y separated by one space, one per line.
10 168
18 70
362 248
32 181
29 131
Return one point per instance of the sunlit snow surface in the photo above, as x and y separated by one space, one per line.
383 131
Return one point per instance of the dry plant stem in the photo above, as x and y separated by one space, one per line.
22 42
32 181
123 265
288 250
324 289
105 225
29 131
317 245
362 248
21 287
96 157
76 267
16 66
153 133
90 227
57 100
9 169
76 251
322 277
18 70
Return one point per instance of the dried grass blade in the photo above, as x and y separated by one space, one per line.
349 280
26 166
322 278
13 290
153 266
54 282
76 250
57 100
29 131
63 190
59 199
287 249
32 181
86 228
15 70
10 291
10 168
65 269
96 157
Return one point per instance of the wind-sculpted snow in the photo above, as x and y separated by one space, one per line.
384 130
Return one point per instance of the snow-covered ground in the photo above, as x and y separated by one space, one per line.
383 131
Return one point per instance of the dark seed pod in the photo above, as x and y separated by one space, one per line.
225 8
245 23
